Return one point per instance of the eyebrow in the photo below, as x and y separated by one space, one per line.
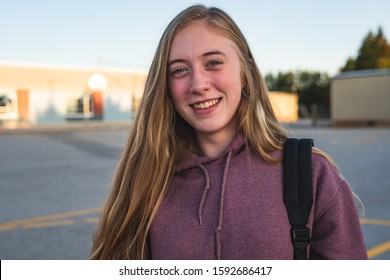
213 53
210 53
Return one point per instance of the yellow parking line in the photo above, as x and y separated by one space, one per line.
7 226
91 220
374 222
378 250
49 224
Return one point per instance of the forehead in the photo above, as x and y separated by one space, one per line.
198 38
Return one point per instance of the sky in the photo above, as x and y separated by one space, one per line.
284 35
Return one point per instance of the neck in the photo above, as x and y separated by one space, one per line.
214 144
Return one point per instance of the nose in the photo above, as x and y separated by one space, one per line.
200 82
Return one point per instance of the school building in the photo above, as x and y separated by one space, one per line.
32 94
361 98
37 94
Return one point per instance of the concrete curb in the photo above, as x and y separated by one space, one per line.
65 128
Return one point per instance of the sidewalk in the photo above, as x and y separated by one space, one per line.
18 129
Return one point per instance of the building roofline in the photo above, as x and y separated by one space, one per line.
47 66
362 73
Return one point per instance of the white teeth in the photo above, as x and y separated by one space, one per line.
206 104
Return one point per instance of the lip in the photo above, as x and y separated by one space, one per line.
210 100
206 106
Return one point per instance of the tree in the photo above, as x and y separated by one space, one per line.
374 53
281 82
312 88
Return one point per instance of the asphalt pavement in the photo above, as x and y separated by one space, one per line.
53 183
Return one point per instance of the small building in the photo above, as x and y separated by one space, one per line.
285 105
38 94
361 98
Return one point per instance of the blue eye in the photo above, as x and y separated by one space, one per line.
214 62
179 70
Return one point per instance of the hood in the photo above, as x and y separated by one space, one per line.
192 160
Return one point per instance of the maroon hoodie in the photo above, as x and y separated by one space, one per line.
231 207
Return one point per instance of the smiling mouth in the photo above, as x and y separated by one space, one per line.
206 104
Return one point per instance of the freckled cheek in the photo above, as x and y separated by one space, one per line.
173 89
234 89
237 94
178 95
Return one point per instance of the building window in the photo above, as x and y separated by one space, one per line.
5 104
80 107
7 107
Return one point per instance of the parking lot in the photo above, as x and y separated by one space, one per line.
53 185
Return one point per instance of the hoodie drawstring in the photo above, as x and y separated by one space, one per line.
207 187
221 202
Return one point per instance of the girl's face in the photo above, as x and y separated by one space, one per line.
204 79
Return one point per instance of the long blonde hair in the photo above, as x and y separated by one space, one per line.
160 137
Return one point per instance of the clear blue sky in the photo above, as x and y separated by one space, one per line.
283 34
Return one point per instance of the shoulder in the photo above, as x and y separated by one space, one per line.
329 186
325 169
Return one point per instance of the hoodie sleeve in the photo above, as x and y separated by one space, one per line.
336 231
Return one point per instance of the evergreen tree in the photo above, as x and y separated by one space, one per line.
374 53
281 82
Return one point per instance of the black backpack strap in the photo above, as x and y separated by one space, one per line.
298 191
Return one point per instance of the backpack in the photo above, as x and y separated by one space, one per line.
298 191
